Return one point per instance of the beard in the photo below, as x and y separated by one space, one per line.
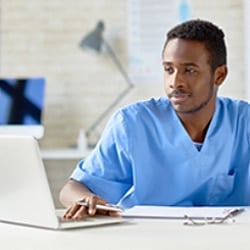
195 108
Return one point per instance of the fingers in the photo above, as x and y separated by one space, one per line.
109 213
114 214
76 212
91 204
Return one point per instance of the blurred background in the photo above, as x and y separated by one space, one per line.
47 38
41 38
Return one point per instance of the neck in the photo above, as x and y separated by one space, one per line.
196 124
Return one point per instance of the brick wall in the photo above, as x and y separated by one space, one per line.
41 37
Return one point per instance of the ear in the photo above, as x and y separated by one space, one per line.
220 74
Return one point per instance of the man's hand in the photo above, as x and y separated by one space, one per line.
74 192
78 212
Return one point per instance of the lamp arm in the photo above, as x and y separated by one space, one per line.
108 109
117 62
120 96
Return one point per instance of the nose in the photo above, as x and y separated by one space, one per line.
176 81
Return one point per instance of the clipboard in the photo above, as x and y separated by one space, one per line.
170 212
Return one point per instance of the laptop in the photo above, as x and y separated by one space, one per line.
22 106
25 193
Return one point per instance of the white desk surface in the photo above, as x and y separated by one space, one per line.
140 234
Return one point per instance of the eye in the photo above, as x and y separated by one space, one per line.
190 70
169 69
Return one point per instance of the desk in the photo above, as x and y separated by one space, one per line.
142 234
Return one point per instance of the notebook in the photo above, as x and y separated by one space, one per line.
22 106
25 192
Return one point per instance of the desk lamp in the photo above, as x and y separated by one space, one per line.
94 41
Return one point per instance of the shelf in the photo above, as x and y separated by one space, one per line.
64 153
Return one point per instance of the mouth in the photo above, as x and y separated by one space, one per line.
179 97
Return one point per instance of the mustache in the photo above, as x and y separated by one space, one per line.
178 93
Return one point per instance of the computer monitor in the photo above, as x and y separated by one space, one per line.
22 105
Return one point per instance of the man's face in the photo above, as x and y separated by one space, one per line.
188 79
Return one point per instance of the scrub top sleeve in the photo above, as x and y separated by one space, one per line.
248 118
107 170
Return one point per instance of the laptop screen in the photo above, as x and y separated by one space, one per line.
22 104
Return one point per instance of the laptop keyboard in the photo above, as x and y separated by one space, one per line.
88 220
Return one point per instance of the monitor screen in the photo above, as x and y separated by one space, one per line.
22 103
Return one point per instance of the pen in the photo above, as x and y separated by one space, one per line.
106 207
233 212
229 214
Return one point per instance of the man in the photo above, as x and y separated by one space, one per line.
190 149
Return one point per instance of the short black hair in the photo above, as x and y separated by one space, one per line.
205 32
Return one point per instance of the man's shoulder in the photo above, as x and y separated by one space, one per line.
235 108
143 110
148 104
231 103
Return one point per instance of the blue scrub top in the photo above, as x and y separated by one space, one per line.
146 157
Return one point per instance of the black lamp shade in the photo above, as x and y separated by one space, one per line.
94 39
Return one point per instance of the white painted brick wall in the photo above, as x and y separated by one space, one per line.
41 37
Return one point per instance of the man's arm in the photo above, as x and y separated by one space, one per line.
72 192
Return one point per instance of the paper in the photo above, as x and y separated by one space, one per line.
177 212
148 23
